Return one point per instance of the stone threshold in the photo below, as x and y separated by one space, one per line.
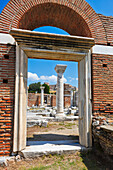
40 148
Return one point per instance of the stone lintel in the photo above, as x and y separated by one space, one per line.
51 41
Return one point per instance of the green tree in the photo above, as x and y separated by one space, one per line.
34 87
46 90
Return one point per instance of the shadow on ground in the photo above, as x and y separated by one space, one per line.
94 162
52 137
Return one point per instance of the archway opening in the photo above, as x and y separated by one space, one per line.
51 29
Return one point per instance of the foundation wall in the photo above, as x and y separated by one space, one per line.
103 142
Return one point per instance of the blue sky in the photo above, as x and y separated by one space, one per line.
43 70
104 7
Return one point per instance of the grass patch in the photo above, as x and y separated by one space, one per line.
61 124
69 125
60 128
75 161
40 168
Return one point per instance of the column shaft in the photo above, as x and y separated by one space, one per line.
60 93
42 95
60 69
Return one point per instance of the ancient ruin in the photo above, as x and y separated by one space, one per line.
90 44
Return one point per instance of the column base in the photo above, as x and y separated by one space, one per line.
60 115
41 106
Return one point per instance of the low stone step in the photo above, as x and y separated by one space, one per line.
34 151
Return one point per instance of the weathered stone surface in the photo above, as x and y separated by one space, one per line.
103 135
46 149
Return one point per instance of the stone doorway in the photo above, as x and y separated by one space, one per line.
54 47
44 126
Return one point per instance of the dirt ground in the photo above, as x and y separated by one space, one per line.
67 130
58 131
75 161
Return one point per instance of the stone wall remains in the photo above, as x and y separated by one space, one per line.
103 141
35 99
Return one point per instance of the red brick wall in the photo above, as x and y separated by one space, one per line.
53 100
67 101
67 15
108 26
33 99
102 81
7 72
39 100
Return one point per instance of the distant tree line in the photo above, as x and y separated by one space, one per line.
35 87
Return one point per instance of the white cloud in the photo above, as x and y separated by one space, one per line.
76 79
50 79
71 79
33 76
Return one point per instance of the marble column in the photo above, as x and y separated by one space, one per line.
71 91
50 99
60 69
56 95
42 95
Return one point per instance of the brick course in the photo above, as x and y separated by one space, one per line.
102 82
107 22
30 14
7 72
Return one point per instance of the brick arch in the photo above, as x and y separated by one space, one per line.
64 18
77 18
